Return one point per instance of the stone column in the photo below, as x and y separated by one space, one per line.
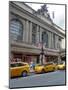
59 59
56 41
44 59
59 45
24 31
40 34
40 40
52 44
30 33
40 59
37 35
49 39
27 30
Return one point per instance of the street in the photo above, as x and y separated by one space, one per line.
46 79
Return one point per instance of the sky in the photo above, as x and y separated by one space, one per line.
59 13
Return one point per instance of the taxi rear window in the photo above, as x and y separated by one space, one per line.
48 64
39 65
61 63
17 65
12 65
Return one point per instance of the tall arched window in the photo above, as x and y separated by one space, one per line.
45 38
16 30
34 29
54 40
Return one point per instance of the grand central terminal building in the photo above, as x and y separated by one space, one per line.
26 29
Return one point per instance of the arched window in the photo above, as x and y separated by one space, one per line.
34 29
45 38
16 30
54 40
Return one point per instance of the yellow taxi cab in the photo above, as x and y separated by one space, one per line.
49 67
19 69
39 68
61 66
45 68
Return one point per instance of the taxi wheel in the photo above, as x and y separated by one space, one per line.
43 71
53 69
24 74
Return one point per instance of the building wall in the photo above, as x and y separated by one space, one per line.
27 35
63 43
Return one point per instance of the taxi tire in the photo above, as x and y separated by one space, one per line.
43 71
54 69
24 74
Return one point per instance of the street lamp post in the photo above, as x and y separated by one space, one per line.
42 51
59 57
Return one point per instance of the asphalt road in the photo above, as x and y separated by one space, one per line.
46 79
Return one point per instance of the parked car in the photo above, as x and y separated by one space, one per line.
45 68
49 67
39 68
19 69
61 66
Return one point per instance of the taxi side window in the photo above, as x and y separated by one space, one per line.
17 65
20 64
48 64
12 65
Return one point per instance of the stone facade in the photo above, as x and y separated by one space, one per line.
25 49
